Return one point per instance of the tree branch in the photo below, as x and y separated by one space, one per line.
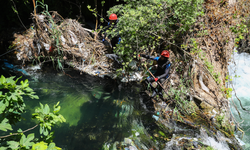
19 132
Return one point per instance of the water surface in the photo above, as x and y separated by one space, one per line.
98 111
240 73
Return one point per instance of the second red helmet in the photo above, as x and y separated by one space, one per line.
113 17
165 53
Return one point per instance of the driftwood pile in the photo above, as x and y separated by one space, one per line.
53 38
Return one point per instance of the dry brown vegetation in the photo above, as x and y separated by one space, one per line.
53 38
200 65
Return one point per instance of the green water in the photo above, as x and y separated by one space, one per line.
98 111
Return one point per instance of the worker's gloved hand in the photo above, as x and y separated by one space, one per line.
103 40
156 79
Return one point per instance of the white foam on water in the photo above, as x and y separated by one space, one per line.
219 144
241 84
216 145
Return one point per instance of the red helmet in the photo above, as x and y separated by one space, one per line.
165 53
113 17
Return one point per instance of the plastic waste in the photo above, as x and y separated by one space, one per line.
155 117
97 72
63 39
19 55
138 75
240 141
38 45
41 18
14 68
46 46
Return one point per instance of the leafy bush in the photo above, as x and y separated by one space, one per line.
11 108
145 24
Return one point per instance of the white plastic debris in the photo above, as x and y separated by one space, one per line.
172 82
155 117
63 39
46 46
19 55
240 141
38 47
137 134
41 18
139 76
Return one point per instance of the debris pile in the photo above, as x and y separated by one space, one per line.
62 41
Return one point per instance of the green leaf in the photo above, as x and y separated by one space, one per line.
19 130
56 109
26 141
13 144
2 79
28 89
14 98
2 107
52 146
41 129
40 146
25 83
22 139
46 132
11 80
4 126
14 9
62 118
34 97
30 137
3 148
46 109
57 103
18 79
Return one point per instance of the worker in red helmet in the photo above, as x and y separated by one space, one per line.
113 18
162 72
112 25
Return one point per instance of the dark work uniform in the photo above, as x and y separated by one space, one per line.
115 40
162 72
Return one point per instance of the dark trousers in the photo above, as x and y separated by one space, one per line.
114 41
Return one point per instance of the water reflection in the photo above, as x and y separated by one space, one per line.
97 111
